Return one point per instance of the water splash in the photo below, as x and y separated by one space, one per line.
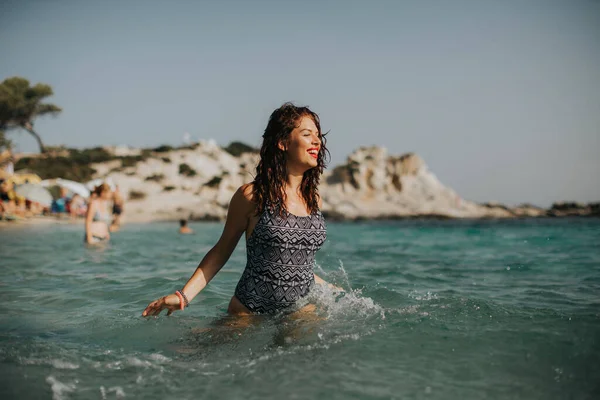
350 302
60 389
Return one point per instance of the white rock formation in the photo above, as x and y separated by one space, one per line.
374 185
371 184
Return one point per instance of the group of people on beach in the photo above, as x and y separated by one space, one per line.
13 206
103 205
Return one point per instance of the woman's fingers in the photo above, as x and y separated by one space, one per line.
149 310
154 308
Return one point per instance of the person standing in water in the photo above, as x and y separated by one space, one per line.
280 214
184 228
98 216
117 209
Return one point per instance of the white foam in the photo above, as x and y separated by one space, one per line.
60 364
118 390
136 362
114 365
414 309
423 297
351 302
59 389
159 357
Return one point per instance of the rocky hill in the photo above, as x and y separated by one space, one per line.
197 182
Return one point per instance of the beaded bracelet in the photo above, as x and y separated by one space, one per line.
187 303
181 301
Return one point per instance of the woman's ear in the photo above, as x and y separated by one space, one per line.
281 145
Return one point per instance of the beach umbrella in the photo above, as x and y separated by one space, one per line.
34 193
72 186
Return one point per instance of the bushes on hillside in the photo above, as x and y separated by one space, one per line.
74 164
136 195
163 149
186 170
155 177
238 148
214 182
53 167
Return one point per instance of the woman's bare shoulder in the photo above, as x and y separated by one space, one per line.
247 190
243 198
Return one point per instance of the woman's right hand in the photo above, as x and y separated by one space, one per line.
170 302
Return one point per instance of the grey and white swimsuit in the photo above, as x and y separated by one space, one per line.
281 257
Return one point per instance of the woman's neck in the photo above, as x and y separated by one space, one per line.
294 181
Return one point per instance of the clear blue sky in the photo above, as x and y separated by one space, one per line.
501 98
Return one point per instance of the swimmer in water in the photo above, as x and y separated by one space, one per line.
98 216
280 214
184 228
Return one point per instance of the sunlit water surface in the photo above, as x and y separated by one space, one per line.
433 310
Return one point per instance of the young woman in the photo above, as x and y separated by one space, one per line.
279 213
98 216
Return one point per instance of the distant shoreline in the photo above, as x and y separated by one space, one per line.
52 220
196 182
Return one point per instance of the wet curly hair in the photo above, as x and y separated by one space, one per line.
271 174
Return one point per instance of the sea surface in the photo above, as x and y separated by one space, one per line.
432 310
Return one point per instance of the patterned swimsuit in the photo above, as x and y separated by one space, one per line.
281 257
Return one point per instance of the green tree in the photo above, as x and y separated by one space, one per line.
5 144
21 104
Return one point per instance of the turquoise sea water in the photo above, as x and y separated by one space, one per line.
434 310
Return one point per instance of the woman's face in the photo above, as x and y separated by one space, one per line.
106 195
303 145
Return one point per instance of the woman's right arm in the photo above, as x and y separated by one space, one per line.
240 210
89 216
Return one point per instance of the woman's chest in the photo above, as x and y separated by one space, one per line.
307 233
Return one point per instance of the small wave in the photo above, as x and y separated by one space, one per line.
159 358
118 390
422 297
59 389
136 362
58 364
